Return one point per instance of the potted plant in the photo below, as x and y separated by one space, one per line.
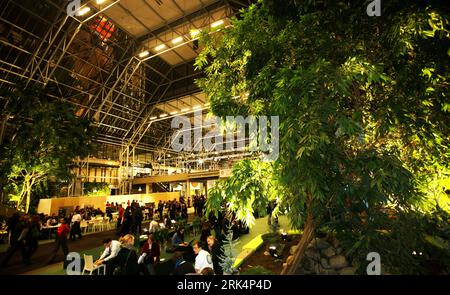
228 259
161 236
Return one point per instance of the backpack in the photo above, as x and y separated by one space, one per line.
118 270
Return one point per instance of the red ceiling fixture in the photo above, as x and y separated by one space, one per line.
103 28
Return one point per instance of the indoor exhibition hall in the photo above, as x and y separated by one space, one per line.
224 137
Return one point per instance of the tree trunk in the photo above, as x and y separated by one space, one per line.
28 199
306 238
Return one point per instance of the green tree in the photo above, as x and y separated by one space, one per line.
363 102
46 138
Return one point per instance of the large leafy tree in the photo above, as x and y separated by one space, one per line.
363 102
46 138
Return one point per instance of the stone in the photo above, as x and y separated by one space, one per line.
347 271
317 268
338 261
324 263
335 243
310 253
293 249
307 263
321 244
329 252
339 251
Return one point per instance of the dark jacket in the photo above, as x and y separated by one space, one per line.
182 268
151 254
126 261
216 252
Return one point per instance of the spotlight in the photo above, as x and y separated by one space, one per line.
273 251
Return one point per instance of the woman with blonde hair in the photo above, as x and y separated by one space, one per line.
126 262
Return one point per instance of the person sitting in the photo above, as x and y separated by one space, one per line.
215 248
150 255
203 259
181 266
178 242
207 271
112 248
154 226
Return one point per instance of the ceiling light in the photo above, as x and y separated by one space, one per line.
163 115
217 23
100 1
206 104
160 47
153 118
83 10
185 110
144 54
173 113
177 40
195 33
197 107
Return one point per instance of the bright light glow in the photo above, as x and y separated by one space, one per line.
173 113
217 23
163 115
144 54
195 33
140 189
177 40
207 104
83 10
185 110
160 47
153 118
100 1
197 107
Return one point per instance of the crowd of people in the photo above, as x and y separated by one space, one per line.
122 257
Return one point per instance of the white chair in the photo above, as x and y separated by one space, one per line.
105 224
90 266
98 224
83 226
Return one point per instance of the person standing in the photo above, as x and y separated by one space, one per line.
11 224
137 219
119 219
18 240
61 240
32 238
75 230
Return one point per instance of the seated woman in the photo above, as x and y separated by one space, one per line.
150 256
178 242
